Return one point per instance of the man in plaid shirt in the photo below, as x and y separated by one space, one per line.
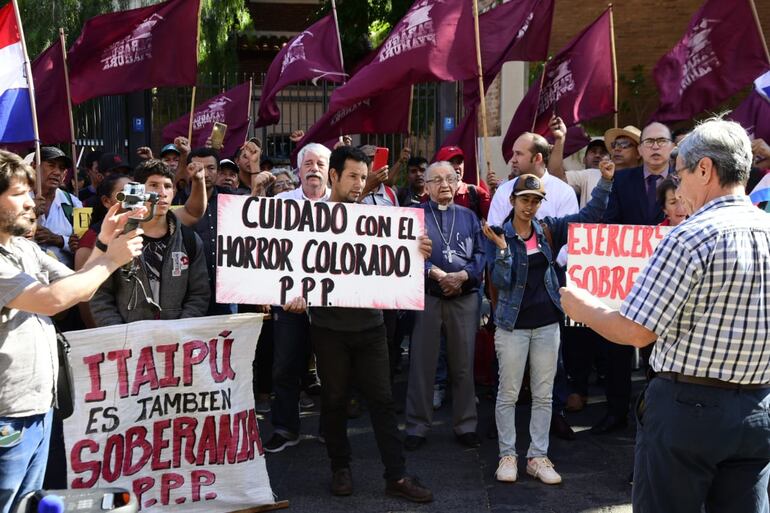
703 434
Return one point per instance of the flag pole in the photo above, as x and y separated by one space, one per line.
192 115
69 108
411 105
339 38
31 85
192 100
615 65
759 29
251 125
482 94
539 90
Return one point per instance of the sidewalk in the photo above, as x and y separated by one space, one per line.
594 468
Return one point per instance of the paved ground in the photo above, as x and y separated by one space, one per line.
594 468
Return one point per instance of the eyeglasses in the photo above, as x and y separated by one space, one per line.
660 141
282 184
451 180
623 145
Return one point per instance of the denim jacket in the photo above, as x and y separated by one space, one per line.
509 273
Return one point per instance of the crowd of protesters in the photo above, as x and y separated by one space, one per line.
500 243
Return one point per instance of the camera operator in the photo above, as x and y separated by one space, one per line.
34 286
169 280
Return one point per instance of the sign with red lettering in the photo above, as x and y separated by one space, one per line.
165 409
605 259
271 250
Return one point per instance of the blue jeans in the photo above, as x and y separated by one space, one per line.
698 445
23 460
541 345
291 352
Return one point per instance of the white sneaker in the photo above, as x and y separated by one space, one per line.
542 469
438 397
507 470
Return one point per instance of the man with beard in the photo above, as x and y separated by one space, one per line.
351 347
33 287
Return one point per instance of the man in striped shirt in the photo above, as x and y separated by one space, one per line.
703 434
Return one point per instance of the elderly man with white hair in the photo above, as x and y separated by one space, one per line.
452 280
291 331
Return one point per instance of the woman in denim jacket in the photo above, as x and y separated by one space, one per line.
528 313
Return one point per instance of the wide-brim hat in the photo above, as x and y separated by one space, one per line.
629 131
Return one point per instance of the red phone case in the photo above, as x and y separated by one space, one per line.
380 158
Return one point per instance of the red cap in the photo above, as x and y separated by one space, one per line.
449 152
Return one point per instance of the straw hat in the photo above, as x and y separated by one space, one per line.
629 131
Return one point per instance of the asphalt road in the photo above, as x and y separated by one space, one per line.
594 469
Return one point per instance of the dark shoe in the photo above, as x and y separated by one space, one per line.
412 442
576 402
470 439
410 489
560 428
278 442
609 424
342 482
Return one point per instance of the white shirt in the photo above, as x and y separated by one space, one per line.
299 194
381 197
57 222
560 200
583 181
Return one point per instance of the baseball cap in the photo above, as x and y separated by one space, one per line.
111 161
596 143
169 147
54 153
448 153
529 184
228 164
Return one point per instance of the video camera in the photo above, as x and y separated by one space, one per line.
95 500
133 196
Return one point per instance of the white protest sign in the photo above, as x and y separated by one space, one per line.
165 409
272 250
605 259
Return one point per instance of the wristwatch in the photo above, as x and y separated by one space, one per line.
101 246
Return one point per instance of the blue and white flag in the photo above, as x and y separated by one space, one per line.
16 124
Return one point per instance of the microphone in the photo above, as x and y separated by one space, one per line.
50 504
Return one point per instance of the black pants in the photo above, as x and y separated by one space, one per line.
360 358
581 346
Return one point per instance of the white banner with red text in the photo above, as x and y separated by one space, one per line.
605 259
165 409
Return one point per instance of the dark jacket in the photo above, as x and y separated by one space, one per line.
628 200
184 288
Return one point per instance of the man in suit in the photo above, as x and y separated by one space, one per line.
633 201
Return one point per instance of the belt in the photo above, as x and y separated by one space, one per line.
709 382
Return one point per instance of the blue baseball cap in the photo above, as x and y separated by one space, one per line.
169 147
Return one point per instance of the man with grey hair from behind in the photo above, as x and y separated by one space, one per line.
703 436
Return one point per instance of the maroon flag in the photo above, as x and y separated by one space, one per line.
754 115
127 51
312 55
513 31
577 86
384 114
465 136
53 117
721 52
230 108
434 41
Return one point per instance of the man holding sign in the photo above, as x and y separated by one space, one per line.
351 345
703 435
